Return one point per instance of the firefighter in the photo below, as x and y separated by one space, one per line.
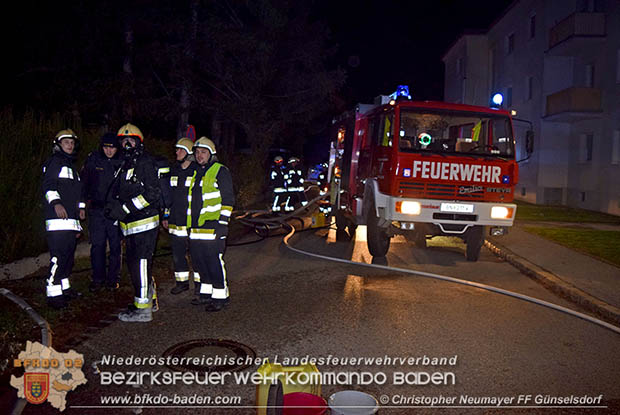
211 199
321 180
295 185
64 208
134 202
277 183
176 214
97 178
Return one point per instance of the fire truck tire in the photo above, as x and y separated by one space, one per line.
474 240
377 238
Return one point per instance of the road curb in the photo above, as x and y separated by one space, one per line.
26 266
555 283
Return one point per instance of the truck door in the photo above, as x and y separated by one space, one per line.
383 143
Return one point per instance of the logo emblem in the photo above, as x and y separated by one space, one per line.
36 387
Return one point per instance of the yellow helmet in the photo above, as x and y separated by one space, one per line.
130 130
186 144
205 143
67 133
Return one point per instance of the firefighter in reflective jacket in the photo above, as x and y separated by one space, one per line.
135 204
211 200
176 214
277 183
64 208
295 185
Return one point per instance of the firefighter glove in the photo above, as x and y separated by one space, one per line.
114 210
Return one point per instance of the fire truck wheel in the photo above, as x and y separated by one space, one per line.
377 239
474 239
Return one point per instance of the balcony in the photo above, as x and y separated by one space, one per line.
574 104
577 31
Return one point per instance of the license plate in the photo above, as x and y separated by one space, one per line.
457 207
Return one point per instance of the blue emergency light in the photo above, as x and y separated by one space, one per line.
497 100
401 91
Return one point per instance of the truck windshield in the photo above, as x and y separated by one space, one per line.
439 132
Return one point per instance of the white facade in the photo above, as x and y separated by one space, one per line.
557 64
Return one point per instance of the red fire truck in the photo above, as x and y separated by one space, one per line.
424 169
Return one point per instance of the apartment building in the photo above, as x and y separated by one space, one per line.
557 63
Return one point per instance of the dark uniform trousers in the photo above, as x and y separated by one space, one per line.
140 247
179 259
102 229
208 258
62 248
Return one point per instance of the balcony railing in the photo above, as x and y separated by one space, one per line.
577 24
574 100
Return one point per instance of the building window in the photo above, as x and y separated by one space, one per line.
532 27
586 144
615 148
618 66
510 43
589 145
509 97
590 76
459 66
529 87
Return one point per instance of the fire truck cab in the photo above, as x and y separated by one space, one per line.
424 169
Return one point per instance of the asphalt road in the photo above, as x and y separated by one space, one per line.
285 305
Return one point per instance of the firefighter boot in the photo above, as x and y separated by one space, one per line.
180 287
59 302
202 299
136 315
216 305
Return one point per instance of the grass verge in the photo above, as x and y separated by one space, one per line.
531 212
600 244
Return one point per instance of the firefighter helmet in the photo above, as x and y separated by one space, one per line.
205 143
66 133
130 130
278 160
186 144
293 160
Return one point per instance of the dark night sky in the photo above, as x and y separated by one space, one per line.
390 42
381 43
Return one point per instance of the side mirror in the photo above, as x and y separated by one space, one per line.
529 142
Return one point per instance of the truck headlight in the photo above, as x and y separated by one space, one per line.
408 207
501 212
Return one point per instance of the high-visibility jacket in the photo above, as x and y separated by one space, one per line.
61 185
276 178
211 199
294 179
177 202
139 193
